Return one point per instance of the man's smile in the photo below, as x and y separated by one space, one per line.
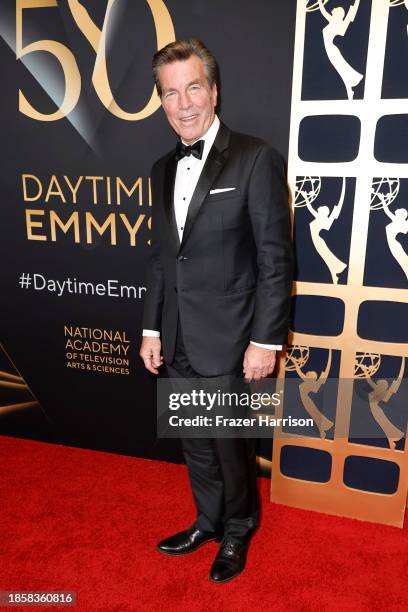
188 119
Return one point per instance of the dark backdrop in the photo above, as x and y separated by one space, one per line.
253 42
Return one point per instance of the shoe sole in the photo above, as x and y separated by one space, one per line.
225 579
187 552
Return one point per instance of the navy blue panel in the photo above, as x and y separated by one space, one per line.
384 321
391 139
395 78
305 463
368 474
317 315
329 138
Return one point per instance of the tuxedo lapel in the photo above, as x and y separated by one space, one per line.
215 161
168 195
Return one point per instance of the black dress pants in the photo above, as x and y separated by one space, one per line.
222 472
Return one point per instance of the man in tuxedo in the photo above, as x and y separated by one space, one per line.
219 284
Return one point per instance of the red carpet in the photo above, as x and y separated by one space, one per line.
89 522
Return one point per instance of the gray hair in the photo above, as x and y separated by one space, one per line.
181 50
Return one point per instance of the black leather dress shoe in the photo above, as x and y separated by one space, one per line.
229 562
186 541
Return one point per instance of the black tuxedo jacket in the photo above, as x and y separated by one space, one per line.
230 279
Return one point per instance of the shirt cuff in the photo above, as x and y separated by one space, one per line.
271 347
151 332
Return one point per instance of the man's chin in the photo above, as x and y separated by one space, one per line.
190 133
190 137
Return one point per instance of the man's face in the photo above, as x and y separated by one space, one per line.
187 98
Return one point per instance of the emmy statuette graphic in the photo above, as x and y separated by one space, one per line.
399 218
323 219
311 384
382 391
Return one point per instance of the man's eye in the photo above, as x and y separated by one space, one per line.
169 94
194 87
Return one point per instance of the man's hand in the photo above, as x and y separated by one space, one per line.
258 362
150 352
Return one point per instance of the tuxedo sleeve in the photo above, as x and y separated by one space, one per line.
155 278
268 206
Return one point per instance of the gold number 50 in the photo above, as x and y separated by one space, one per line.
97 39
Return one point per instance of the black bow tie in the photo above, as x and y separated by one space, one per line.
195 149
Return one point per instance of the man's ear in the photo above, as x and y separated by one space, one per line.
214 92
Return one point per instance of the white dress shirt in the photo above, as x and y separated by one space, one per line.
188 172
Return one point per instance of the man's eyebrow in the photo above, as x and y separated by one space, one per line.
194 82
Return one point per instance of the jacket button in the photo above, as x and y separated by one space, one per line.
182 258
175 289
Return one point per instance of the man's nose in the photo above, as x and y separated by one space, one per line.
185 100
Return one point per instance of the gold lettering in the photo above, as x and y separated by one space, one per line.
108 189
120 184
30 224
73 189
94 187
58 191
91 222
27 198
60 52
97 39
132 230
55 220
149 225
150 191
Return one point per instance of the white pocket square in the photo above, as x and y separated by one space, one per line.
222 190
